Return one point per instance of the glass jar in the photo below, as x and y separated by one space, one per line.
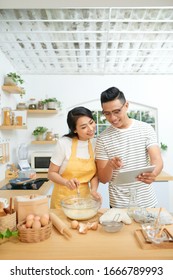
40 105
49 136
6 116
32 105
21 106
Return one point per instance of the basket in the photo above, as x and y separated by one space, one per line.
8 222
30 235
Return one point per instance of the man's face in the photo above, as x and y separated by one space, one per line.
115 112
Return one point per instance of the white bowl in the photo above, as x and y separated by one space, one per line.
79 208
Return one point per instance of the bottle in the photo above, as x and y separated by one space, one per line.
132 202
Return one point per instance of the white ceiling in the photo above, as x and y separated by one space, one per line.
109 40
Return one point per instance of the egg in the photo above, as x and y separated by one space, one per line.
46 216
74 224
36 218
29 223
36 224
44 221
29 217
94 225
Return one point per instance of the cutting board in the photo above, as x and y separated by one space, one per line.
151 246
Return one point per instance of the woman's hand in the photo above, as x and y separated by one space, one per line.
96 195
72 183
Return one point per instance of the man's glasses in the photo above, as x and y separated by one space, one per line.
114 112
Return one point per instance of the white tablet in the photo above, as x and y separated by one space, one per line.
129 176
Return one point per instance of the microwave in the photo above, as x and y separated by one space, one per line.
40 161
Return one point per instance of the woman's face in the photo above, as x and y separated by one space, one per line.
85 128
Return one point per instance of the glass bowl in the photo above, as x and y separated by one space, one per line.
80 208
141 215
153 233
112 226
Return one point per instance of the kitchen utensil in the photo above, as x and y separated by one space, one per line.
112 226
20 181
26 181
60 225
153 233
78 191
157 220
80 208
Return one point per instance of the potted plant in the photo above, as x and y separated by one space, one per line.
163 147
13 78
39 132
52 103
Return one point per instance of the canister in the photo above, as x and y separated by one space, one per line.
7 116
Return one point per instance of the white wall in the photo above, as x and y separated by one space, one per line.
153 90
6 100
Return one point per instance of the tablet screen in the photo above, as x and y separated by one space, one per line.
129 176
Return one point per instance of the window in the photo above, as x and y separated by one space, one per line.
136 111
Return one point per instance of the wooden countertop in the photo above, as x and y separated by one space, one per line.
163 176
94 245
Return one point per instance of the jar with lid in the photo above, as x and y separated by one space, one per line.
40 105
21 106
49 136
6 116
32 105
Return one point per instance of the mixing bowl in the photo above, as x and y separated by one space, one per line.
112 226
152 233
79 208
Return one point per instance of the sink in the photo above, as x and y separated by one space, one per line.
34 185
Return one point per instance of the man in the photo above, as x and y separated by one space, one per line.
126 144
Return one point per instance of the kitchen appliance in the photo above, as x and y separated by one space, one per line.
17 184
40 161
23 157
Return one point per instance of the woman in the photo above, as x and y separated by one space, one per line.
72 165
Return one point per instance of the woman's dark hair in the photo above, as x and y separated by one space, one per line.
72 117
111 94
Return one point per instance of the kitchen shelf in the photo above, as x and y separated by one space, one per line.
36 111
13 89
7 127
44 142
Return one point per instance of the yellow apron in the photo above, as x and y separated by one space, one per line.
82 169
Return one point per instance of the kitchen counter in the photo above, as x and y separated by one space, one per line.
94 245
43 190
164 177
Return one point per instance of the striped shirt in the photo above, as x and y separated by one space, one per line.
131 146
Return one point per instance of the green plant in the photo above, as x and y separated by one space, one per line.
8 233
52 99
15 77
163 147
39 130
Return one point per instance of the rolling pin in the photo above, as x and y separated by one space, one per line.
60 225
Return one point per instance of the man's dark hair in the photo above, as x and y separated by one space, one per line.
111 94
